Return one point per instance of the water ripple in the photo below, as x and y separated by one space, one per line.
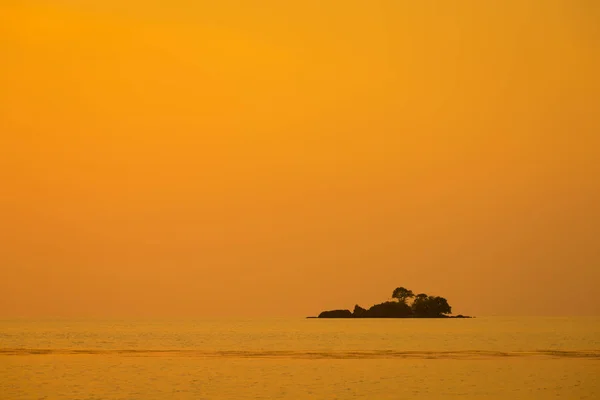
341 355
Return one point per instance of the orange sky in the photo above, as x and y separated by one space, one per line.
250 158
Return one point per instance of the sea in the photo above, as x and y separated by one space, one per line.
297 358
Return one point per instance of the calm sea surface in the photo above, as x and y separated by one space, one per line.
492 358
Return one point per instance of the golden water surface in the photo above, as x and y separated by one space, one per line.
497 358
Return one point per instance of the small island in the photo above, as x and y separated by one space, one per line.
404 305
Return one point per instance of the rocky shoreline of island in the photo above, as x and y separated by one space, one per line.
404 304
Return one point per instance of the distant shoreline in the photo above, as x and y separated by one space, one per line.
459 316
405 304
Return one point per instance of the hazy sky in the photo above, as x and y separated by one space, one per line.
278 158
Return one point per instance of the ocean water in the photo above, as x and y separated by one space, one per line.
491 358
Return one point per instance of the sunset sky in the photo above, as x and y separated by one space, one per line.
278 158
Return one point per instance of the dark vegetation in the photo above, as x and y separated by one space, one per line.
404 305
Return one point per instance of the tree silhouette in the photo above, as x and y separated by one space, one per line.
430 306
402 294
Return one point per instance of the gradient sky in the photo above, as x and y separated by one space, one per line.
278 158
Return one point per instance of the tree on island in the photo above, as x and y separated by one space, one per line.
402 294
430 306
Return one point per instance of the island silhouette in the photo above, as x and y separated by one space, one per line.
405 305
